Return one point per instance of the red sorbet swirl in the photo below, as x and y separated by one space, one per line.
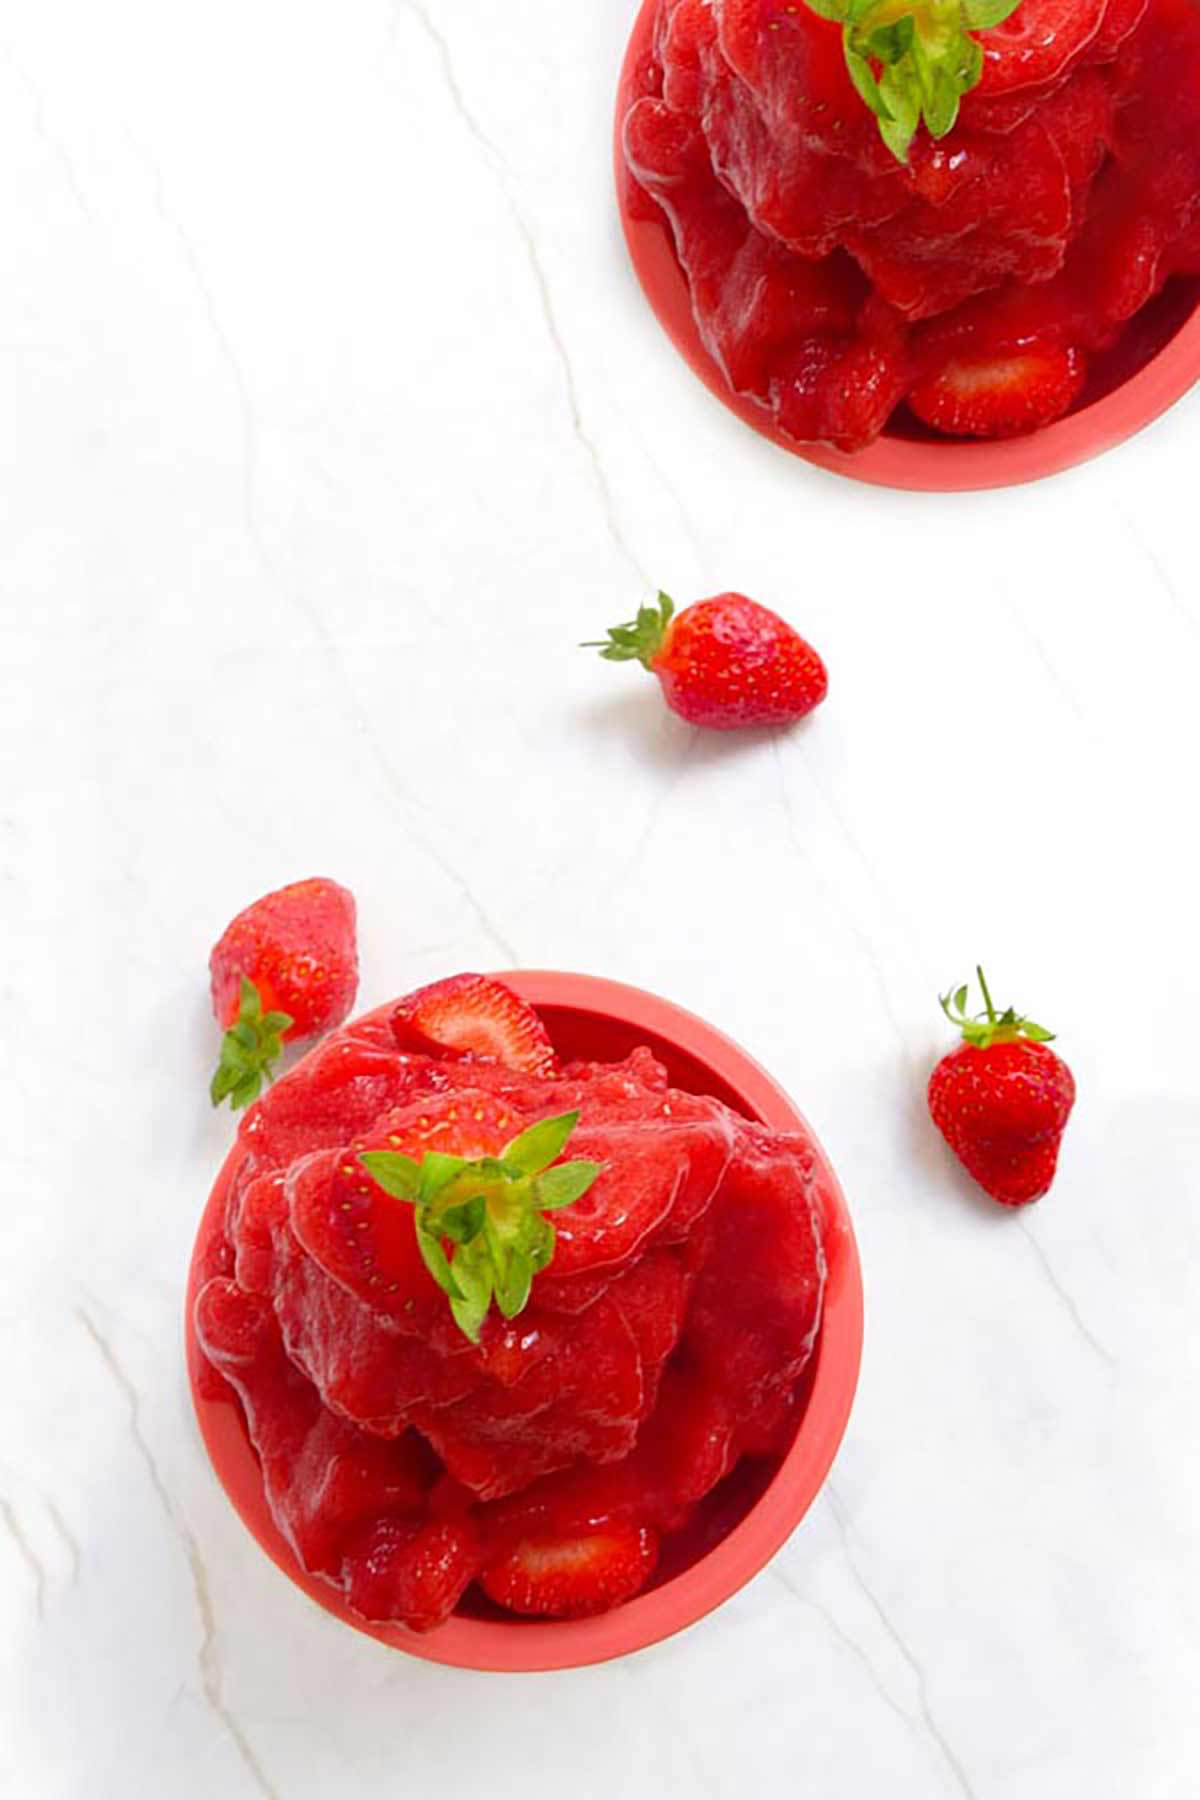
664 1342
831 282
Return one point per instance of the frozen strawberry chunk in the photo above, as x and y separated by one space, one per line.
322 1478
398 1569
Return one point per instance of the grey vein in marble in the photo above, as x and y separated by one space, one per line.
1072 1309
291 594
208 1658
50 139
931 1725
27 1553
417 10
843 1637
68 1537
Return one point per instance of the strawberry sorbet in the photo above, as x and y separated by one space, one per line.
505 1326
951 214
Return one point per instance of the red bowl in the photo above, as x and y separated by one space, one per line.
1156 364
754 1511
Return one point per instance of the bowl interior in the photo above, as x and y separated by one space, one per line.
1156 362
748 1516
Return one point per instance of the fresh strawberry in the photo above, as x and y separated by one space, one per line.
570 1578
1002 1100
287 967
723 663
1001 396
472 1015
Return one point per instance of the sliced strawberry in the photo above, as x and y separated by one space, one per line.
573 1577
1002 396
472 1015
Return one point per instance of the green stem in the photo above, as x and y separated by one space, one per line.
991 1011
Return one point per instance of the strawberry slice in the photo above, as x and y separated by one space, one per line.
572 1577
1001 396
472 1015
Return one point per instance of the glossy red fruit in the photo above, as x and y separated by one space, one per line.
572 1577
723 663
1001 1100
411 1572
298 946
1000 396
1038 43
472 1015
287 967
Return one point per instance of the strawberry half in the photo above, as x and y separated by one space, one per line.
473 1015
1001 396
573 1577
1002 1100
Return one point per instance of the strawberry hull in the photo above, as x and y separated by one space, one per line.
610 1451
755 244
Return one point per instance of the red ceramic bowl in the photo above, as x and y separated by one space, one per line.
1156 364
742 1526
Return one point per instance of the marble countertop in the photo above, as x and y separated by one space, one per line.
334 421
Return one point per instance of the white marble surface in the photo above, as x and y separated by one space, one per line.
332 422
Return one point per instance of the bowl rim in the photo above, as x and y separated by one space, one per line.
495 1645
912 465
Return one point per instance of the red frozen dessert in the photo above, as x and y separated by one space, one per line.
499 1321
953 211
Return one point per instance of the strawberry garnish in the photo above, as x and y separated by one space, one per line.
473 1015
723 663
249 1050
1002 1099
1001 395
573 1577
286 968
480 1222
912 64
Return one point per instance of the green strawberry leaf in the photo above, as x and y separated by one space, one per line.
249 1051
640 639
980 1030
464 1222
512 1289
489 1212
437 1172
911 67
538 1147
563 1185
396 1174
475 1279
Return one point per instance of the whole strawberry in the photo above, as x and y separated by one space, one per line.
1002 1100
287 967
723 663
